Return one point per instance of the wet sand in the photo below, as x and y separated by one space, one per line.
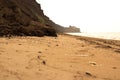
64 57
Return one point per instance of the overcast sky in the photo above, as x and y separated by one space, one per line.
89 15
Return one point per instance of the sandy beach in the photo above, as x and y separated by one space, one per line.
64 57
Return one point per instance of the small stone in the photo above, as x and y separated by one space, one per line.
38 57
27 67
82 45
39 52
48 45
93 63
114 67
39 70
57 45
88 73
44 62
16 50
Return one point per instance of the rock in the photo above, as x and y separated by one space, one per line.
39 52
38 57
57 45
48 45
92 63
44 62
88 73
114 67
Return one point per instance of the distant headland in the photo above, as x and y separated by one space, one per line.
71 29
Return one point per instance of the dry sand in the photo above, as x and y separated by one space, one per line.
63 58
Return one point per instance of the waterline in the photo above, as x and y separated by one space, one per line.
103 35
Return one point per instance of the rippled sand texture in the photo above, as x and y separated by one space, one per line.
63 58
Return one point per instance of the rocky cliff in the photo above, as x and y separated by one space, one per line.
24 17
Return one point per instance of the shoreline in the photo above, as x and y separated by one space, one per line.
102 35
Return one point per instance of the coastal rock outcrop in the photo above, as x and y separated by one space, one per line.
71 29
24 18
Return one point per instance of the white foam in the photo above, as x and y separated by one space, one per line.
104 35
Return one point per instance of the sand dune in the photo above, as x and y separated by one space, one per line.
59 58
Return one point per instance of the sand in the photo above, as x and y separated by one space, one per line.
63 58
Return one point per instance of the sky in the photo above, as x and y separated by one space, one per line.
88 15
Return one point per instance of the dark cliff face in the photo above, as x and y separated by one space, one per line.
24 17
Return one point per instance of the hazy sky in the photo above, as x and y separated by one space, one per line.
89 15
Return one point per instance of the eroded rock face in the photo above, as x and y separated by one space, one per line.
24 17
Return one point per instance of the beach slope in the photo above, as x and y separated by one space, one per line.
59 58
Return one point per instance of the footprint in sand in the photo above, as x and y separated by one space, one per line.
117 50
92 63
78 76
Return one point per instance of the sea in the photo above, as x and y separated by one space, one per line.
103 35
